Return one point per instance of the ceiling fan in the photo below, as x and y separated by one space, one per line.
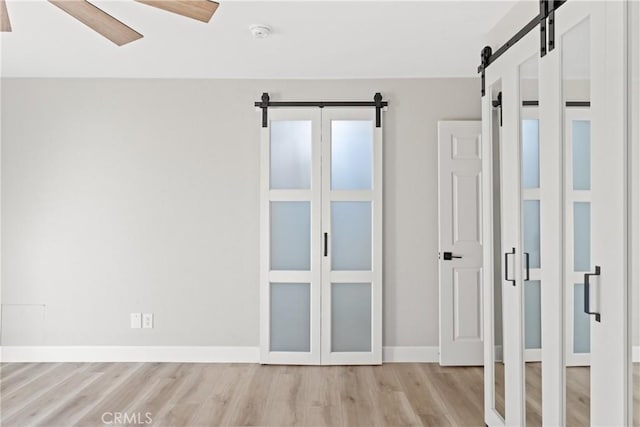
113 29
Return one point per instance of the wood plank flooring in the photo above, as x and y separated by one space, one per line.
240 395
174 394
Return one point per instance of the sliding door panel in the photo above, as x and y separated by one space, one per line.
352 227
583 88
505 304
290 266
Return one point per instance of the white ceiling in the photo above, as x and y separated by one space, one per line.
311 39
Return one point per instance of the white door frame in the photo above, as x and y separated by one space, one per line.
634 194
551 245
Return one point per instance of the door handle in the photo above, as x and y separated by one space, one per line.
587 299
506 266
448 256
526 261
326 244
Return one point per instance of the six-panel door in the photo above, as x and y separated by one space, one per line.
460 234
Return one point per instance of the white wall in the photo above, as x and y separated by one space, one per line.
513 21
124 196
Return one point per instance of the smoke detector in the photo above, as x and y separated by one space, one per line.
260 31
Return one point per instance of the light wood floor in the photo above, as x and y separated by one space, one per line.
242 395
250 395
577 394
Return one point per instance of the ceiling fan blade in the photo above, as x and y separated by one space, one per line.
5 24
98 20
202 10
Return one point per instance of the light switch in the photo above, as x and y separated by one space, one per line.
147 320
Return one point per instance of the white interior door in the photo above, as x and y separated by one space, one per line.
588 61
290 244
606 49
352 233
460 234
507 371
321 237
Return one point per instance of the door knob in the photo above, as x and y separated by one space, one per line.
448 256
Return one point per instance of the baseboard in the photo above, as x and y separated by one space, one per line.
177 354
202 354
411 354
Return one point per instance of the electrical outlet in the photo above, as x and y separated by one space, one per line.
147 320
136 320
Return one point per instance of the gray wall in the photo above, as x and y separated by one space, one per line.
124 196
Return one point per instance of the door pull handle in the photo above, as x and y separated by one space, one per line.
527 269
506 266
587 299
326 244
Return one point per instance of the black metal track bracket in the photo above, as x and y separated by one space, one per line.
265 103
554 5
552 30
544 12
547 11
485 57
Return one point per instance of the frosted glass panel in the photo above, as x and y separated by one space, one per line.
351 236
581 331
582 236
532 320
581 154
290 236
532 231
530 154
350 317
351 154
290 154
290 320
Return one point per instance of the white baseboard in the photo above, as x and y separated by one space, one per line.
199 354
177 354
411 354
202 354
